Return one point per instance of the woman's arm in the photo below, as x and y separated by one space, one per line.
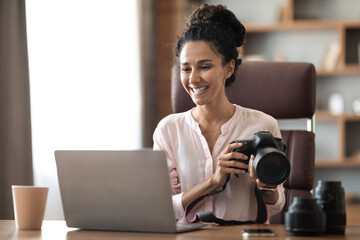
225 166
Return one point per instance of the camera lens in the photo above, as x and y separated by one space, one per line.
305 217
331 197
271 166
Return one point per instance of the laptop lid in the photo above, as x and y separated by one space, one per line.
116 190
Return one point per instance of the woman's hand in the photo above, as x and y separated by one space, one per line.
226 165
269 198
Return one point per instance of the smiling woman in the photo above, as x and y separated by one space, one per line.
199 142
84 81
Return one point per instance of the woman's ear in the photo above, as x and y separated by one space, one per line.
230 66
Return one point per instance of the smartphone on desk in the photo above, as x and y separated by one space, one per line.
260 232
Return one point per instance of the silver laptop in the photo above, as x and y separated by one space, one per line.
117 190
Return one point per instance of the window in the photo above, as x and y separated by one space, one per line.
84 81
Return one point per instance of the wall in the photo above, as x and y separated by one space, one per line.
169 24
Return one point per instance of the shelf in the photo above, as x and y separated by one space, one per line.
299 25
352 45
327 116
349 69
335 163
347 158
333 44
348 32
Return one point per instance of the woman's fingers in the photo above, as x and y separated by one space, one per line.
231 147
232 166
263 185
233 155
229 154
228 163
251 168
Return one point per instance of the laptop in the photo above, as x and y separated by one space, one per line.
117 191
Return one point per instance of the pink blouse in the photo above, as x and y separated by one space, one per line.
190 162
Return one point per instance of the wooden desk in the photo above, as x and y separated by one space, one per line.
57 230
353 214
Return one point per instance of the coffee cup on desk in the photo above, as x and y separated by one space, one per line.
29 206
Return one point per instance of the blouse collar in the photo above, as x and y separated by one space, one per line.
225 128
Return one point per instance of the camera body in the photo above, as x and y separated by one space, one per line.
270 164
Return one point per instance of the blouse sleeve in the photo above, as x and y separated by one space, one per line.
278 206
162 142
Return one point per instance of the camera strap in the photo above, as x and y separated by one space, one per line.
209 217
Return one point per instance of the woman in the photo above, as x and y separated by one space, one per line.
196 142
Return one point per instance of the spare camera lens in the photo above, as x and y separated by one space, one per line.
305 217
331 197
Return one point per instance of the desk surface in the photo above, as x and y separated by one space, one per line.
55 230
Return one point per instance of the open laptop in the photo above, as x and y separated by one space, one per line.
117 190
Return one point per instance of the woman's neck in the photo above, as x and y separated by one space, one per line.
214 113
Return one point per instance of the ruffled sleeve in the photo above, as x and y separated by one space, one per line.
162 141
278 206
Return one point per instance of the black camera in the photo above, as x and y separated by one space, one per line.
270 164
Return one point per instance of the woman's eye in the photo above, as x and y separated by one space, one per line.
205 67
185 69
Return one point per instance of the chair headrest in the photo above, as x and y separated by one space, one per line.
283 90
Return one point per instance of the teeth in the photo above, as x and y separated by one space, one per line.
199 90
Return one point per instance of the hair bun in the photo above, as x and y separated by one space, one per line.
218 15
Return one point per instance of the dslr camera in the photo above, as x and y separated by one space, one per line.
271 165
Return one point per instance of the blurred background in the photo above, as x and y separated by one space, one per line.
96 75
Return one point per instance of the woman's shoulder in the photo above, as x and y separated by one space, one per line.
256 120
251 113
171 126
173 120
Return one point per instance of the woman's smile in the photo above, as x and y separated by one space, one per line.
199 90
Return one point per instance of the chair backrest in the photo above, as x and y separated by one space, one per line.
284 90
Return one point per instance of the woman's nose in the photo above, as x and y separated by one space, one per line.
194 77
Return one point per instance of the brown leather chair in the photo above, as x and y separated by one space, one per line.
284 90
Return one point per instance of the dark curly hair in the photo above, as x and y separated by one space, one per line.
218 26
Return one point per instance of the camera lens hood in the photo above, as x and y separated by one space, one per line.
305 217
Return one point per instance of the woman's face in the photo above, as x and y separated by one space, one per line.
203 73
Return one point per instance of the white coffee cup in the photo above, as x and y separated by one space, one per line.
356 107
29 206
336 104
